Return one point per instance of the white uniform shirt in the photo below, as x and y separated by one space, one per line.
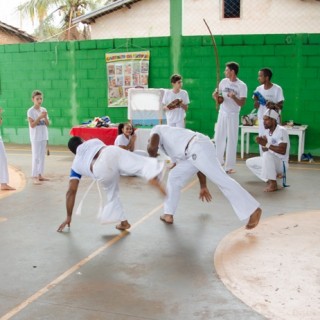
274 94
122 140
279 135
40 131
177 114
173 140
238 87
84 156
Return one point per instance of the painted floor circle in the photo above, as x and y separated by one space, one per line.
275 268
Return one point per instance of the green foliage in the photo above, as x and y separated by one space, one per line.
55 17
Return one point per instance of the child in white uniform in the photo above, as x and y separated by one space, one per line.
4 174
126 139
175 103
38 123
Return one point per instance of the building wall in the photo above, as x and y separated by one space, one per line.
72 76
257 17
150 18
147 18
7 38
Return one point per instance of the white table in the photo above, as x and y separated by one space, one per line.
299 131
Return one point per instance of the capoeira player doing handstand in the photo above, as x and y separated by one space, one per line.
104 163
193 152
274 161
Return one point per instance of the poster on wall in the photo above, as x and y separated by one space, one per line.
124 71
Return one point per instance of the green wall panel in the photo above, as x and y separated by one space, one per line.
72 76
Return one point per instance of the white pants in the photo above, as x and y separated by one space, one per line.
261 134
38 155
266 167
201 156
4 174
226 138
179 124
106 170
141 153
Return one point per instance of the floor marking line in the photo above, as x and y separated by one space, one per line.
294 167
81 263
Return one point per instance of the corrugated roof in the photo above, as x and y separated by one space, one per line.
17 32
92 16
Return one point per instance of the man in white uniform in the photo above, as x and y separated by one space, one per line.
104 163
275 144
194 152
4 173
267 96
175 103
234 92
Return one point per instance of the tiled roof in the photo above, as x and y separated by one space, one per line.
109 8
16 32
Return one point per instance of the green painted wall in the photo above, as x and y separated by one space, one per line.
72 76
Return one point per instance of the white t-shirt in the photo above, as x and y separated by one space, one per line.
83 158
274 94
173 140
40 131
122 140
279 135
177 114
238 87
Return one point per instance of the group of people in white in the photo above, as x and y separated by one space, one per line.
190 152
274 144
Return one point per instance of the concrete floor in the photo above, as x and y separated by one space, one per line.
154 271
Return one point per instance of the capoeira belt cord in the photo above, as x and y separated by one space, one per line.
78 211
284 176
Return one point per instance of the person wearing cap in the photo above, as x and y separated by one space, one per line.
275 145
104 164
267 96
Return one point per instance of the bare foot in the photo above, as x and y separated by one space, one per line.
123 225
167 218
156 183
5 186
230 171
254 219
36 181
43 179
272 186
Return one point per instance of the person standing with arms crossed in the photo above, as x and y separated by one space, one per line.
234 92
175 103
38 129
